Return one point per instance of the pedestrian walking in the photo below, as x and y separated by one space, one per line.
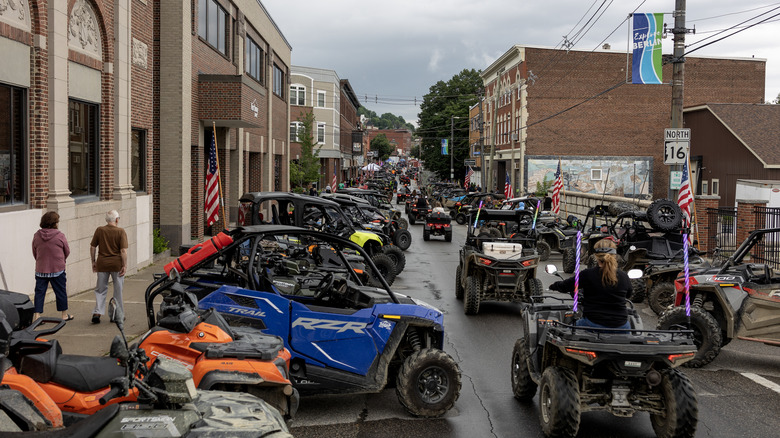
50 250
110 243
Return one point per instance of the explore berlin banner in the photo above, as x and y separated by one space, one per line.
647 36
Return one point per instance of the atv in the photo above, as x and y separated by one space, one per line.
315 291
418 213
736 300
281 208
167 402
579 369
438 224
381 201
497 268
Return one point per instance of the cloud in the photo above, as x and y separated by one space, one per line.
433 64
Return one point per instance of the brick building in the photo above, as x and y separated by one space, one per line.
401 139
543 104
225 65
351 135
75 128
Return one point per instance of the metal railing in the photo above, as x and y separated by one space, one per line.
723 230
768 250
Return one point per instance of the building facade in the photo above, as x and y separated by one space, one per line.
75 128
400 139
542 105
351 140
223 74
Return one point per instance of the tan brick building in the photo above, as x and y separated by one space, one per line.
401 139
543 104
224 64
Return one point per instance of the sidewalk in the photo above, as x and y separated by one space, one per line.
82 337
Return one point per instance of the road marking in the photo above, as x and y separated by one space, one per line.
763 382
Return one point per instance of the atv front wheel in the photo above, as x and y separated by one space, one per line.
473 295
523 387
426 235
680 412
403 223
386 268
569 260
544 250
428 383
403 239
458 286
661 296
706 333
559 402
460 218
397 256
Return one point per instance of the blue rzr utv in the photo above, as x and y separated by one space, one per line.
347 331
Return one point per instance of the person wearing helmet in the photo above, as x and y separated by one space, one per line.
605 289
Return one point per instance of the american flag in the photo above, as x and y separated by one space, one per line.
335 180
508 187
469 174
685 199
212 185
557 187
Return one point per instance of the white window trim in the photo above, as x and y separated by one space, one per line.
320 125
705 187
298 89
715 187
324 99
595 174
298 126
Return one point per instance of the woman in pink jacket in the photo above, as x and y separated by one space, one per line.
50 249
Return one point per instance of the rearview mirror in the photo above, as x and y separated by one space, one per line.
551 269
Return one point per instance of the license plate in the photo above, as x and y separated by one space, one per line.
632 364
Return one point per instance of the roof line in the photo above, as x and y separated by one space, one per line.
764 163
275 25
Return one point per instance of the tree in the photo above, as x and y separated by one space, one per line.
306 169
777 100
386 121
382 145
414 151
443 101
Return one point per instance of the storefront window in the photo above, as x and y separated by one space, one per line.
13 136
82 148
138 160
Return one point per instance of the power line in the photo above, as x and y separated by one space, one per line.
733 13
733 33
735 26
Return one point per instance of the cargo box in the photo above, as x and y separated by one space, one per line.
502 250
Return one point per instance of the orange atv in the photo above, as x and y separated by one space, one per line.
219 357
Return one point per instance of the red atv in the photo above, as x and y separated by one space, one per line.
736 300
438 224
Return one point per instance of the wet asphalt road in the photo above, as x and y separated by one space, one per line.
730 404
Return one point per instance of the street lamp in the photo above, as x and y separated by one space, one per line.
452 147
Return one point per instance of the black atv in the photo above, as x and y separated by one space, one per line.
584 369
438 224
497 268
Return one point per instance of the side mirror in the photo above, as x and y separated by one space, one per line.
551 269
119 349
634 274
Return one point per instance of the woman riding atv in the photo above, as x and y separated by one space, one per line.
605 290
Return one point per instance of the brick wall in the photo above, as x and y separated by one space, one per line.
142 78
706 235
746 217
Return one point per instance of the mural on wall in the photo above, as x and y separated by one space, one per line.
624 176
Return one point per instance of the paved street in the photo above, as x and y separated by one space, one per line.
730 404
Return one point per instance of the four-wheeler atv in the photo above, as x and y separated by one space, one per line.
168 405
579 369
312 289
379 200
496 268
438 224
737 300
463 208
418 213
281 208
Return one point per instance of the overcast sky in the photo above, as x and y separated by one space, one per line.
393 51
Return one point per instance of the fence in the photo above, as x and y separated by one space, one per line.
723 233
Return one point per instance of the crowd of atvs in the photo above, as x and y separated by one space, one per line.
297 300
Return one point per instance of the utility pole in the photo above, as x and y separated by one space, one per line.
678 70
452 149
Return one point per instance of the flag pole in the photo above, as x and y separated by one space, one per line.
694 216
219 179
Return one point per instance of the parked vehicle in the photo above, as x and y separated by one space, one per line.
438 224
463 208
579 369
281 208
418 213
167 402
313 290
496 268
736 300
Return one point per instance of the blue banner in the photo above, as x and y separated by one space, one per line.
444 149
647 65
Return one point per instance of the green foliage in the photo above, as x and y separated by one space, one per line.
385 121
159 243
306 169
381 144
444 101
414 151
777 100
542 187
